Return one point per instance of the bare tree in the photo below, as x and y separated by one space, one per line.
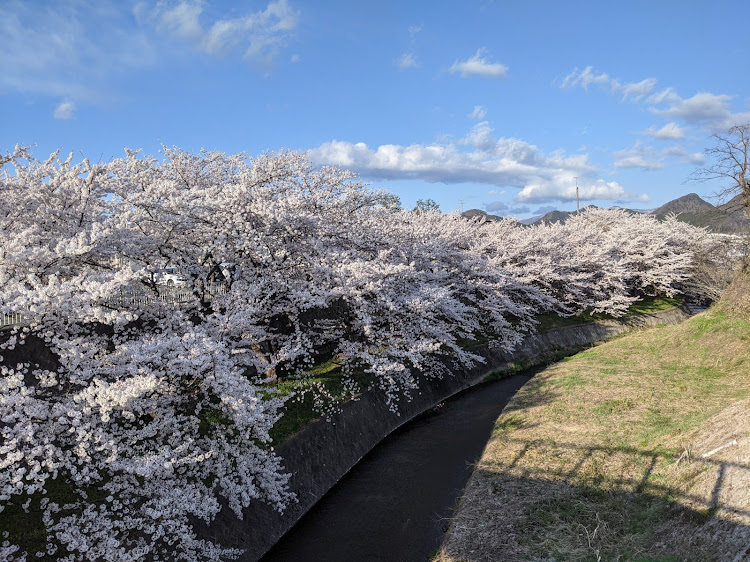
730 163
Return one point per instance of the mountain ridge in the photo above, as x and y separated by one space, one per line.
726 218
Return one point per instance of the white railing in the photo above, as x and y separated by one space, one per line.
172 296
10 319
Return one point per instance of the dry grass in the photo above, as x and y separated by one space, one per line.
599 456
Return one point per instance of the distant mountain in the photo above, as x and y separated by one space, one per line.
553 216
562 216
734 205
556 216
477 213
728 218
690 203
530 220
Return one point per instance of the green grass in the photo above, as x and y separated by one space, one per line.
585 457
589 522
610 407
316 392
572 381
719 323
647 305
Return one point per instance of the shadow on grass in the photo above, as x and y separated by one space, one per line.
563 501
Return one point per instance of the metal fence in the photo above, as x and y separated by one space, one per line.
173 296
136 298
11 319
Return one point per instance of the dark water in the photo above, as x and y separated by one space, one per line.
396 503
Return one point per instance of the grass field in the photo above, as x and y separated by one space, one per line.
600 457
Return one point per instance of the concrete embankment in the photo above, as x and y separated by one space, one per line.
321 454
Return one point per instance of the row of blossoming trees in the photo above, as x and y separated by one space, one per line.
140 412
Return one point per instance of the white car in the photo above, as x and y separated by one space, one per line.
170 276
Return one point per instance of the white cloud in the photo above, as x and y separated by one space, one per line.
588 190
73 50
258 35
181 20
64 110
634 91
481 136
701 107
407 60
495 206
667 94
695 158
648 158
670 131
68 50
479 113
705 109
586 77
638 90
639 156
479 157
478 65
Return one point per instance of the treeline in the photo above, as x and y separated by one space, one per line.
147 411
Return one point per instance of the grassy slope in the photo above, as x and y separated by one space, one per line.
599 456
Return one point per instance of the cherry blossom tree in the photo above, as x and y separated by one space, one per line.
600 260
143 410
143 415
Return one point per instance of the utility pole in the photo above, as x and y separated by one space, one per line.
578 204
461 206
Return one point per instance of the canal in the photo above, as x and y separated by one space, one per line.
396 503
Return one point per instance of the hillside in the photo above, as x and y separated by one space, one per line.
734 205
728 218
478 213
690 203
633 450
556 216
562 216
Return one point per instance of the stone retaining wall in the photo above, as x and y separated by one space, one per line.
323 452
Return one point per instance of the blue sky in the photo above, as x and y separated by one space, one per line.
497 105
